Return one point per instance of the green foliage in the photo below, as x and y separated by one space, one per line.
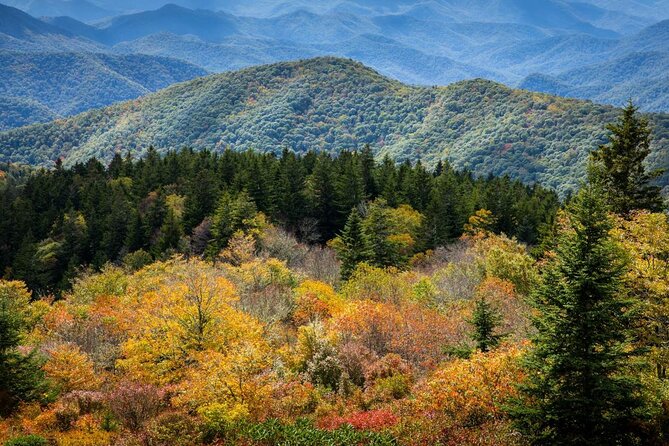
354 246
232 214
300 433
39 87
486 320
55 222
21 376
580 389
27 440
338 105
618 169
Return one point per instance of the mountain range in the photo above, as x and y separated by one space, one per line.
333 104
577 49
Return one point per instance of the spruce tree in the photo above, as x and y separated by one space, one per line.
444 222
368 166
321 194
486 320
618 167
579 388
354 248
21 376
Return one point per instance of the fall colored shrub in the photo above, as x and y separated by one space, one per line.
471 391
134 403
71 369
172 429
373 420
315 301
376 284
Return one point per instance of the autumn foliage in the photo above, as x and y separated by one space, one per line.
251 350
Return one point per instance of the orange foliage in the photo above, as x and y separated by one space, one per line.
71 369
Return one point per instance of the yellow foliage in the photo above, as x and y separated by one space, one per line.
377 284
71 369
86 432
171 325
316 300
472 388
480 224
506 259
241 248
645 239
229 385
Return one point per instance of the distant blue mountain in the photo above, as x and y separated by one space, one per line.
569 47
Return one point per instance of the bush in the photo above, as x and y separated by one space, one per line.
172 429
134 404
27 440
137 260
302 433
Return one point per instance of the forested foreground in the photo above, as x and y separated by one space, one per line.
282 314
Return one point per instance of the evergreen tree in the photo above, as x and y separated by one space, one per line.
486 320
618 167
234 213
367 166
321 194
354 245
289 197
443 222
376 226
387 181
170 232
579 388
21 376
418 187
200 198
350 185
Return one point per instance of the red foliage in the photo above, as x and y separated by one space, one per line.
373 420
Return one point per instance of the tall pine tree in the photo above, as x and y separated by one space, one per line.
579 388
618 167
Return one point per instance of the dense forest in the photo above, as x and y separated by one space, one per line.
330 105
53 222
249 299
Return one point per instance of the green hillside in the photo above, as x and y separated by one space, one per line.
63 84
333 104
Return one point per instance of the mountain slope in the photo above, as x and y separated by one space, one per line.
67 83
17 112
426 42
333 104
80 9
20 31
641 77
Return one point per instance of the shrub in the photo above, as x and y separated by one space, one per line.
372 420
134 404
137 260
172 429
27 440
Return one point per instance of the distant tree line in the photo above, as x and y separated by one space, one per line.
53 222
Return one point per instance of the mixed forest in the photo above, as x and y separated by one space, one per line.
257 299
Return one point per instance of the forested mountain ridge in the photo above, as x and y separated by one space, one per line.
21 32
435 42
69 83
331 104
